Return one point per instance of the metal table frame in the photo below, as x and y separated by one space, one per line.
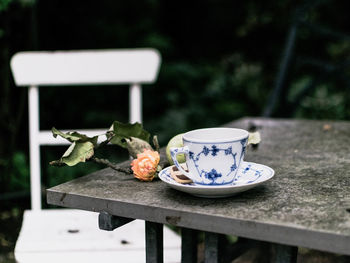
154 242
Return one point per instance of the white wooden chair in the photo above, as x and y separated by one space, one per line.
57 235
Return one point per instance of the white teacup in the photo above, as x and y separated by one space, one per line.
213 155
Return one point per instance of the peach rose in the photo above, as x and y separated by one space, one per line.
145 166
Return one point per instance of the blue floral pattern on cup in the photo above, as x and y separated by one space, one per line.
212 155
213 151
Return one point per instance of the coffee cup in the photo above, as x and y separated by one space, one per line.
213 155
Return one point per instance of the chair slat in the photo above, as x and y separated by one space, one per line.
46 137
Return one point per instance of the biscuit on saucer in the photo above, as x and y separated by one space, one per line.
178 176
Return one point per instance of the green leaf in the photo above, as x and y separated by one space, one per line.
124 131
78 152
74 136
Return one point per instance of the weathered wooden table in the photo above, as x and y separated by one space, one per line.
306 204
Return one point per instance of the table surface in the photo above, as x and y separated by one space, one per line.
306 204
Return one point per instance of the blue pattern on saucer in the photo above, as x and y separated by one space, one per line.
248 176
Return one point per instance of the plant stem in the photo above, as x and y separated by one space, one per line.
111 165
109 138
57 163
155 143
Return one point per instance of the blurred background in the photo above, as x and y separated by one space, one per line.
221 60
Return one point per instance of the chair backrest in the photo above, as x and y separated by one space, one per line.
85 67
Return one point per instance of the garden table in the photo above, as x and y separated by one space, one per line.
306 204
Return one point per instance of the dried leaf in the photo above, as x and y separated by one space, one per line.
327 127
136 146
254 138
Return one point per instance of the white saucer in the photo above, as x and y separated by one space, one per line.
248 176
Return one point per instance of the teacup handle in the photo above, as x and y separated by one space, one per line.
174 152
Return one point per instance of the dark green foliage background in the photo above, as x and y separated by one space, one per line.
219 63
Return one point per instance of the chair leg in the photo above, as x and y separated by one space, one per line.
35 183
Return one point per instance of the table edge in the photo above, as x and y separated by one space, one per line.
293 235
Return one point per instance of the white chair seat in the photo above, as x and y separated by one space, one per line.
66 235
